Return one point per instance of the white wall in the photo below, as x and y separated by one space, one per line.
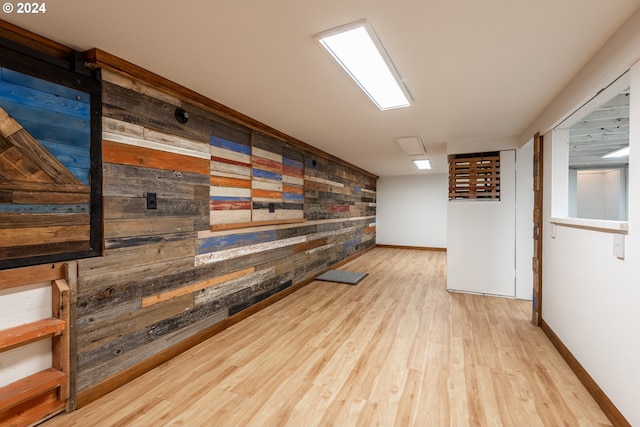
412 210
524 221
17 307
481 238
590 298
599 194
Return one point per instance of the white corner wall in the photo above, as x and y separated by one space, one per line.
590 298
412 210
482 239
524 221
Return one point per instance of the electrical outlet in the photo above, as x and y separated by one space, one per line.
152 201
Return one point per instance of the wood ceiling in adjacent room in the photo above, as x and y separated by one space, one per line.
603 131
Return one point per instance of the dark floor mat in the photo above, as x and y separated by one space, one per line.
349 277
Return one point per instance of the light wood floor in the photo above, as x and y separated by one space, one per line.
395 350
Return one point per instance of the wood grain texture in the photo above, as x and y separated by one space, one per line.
397 349
155 299
28 275
125 154
30 387
33 411
101 59
14 133
30 332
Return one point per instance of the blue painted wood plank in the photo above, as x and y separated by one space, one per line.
229 145
21 79
266 174
52 118
46 101
213 244
351 243
57 134
293 163
293 197
74 208
69 155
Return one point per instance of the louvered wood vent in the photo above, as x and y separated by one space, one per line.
474 176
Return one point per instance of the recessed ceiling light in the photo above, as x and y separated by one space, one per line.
622 152
422 164
360 53
411 145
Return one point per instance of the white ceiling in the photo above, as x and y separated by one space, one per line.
476 69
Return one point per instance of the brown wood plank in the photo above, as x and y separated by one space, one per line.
125 154
229 182
266 194
30 387
41 249
155 299
144 227
49 198
30 332
538 171
44 187
33 411
60 343
30 275
38 235
20 220
15 165
71 276
20 138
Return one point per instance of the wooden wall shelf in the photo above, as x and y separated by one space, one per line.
36 397
30 387
30 332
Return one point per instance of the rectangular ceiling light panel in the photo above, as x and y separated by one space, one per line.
359 52
622 152
422 164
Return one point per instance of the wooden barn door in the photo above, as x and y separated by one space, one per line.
537 228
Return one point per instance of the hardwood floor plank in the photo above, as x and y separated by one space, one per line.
396 349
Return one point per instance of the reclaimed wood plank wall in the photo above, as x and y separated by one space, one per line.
168 273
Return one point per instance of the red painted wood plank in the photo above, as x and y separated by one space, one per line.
266 164
291 171
338 208
223 206
229 161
